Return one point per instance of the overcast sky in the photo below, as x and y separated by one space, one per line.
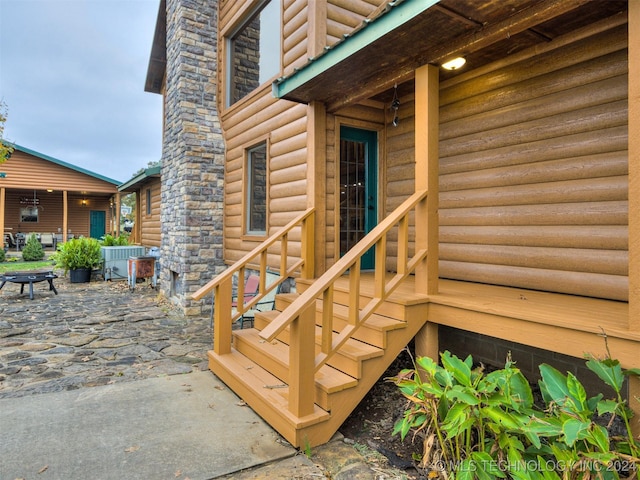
72 74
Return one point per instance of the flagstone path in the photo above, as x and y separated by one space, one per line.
92 334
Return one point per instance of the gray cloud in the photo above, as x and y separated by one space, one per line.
72 74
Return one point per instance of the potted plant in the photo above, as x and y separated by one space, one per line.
78 256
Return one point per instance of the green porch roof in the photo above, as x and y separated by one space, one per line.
140 178
392 17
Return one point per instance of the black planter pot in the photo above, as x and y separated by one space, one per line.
80 275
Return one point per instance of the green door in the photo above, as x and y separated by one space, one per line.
97 221
358 189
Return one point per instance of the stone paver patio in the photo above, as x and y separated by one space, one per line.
93 334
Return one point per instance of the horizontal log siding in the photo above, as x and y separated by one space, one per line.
345 15
295 28
283 123
533 171
27 171
150 223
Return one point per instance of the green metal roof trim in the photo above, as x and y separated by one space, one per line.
149 172
64 164
392 17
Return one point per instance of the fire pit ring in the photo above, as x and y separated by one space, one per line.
30 278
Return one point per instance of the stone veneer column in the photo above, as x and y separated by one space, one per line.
193 155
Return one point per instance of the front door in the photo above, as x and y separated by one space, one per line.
97 220
358 189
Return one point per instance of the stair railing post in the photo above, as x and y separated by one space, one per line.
222 317
308 251
302 363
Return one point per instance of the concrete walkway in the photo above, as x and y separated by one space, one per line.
102 383
175 427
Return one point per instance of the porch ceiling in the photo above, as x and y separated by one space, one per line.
482 31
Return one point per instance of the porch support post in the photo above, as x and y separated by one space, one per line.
426 132
116 228
634 166
2 207
316 181
65 216
301 363
426 177
634 196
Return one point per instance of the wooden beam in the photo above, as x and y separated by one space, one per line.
426 175
316 27
634 197
634 166
317 181
65 216
2 207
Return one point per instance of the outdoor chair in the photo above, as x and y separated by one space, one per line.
8 239
251 289
251 286
48 240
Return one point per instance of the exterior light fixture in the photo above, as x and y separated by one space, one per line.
454 64
84 202
395 105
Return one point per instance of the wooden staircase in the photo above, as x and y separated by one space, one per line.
258 370
305 366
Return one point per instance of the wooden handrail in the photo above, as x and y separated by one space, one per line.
322 288
259 251
222 284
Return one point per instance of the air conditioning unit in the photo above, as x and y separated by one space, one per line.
114 266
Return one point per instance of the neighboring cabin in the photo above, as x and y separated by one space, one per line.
499 196
42 194
146 217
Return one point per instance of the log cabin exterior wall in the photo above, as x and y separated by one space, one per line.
533 170
150 228
284 125
27 171
533 173
538 148
147 226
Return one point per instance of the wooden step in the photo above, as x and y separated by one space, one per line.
274 357
252 383
348 359
399 305
373 331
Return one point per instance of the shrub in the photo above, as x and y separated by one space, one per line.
78 253
111 241
486 426
3 256
32 250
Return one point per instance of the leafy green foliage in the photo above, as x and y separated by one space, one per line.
2 255
111 241
78 253
486 426
5 149
32 250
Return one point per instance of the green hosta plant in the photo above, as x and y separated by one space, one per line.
487 426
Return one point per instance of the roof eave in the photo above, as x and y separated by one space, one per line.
142 177
396 15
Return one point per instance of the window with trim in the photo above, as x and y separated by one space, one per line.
254 51
148 201
256 190
29 215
